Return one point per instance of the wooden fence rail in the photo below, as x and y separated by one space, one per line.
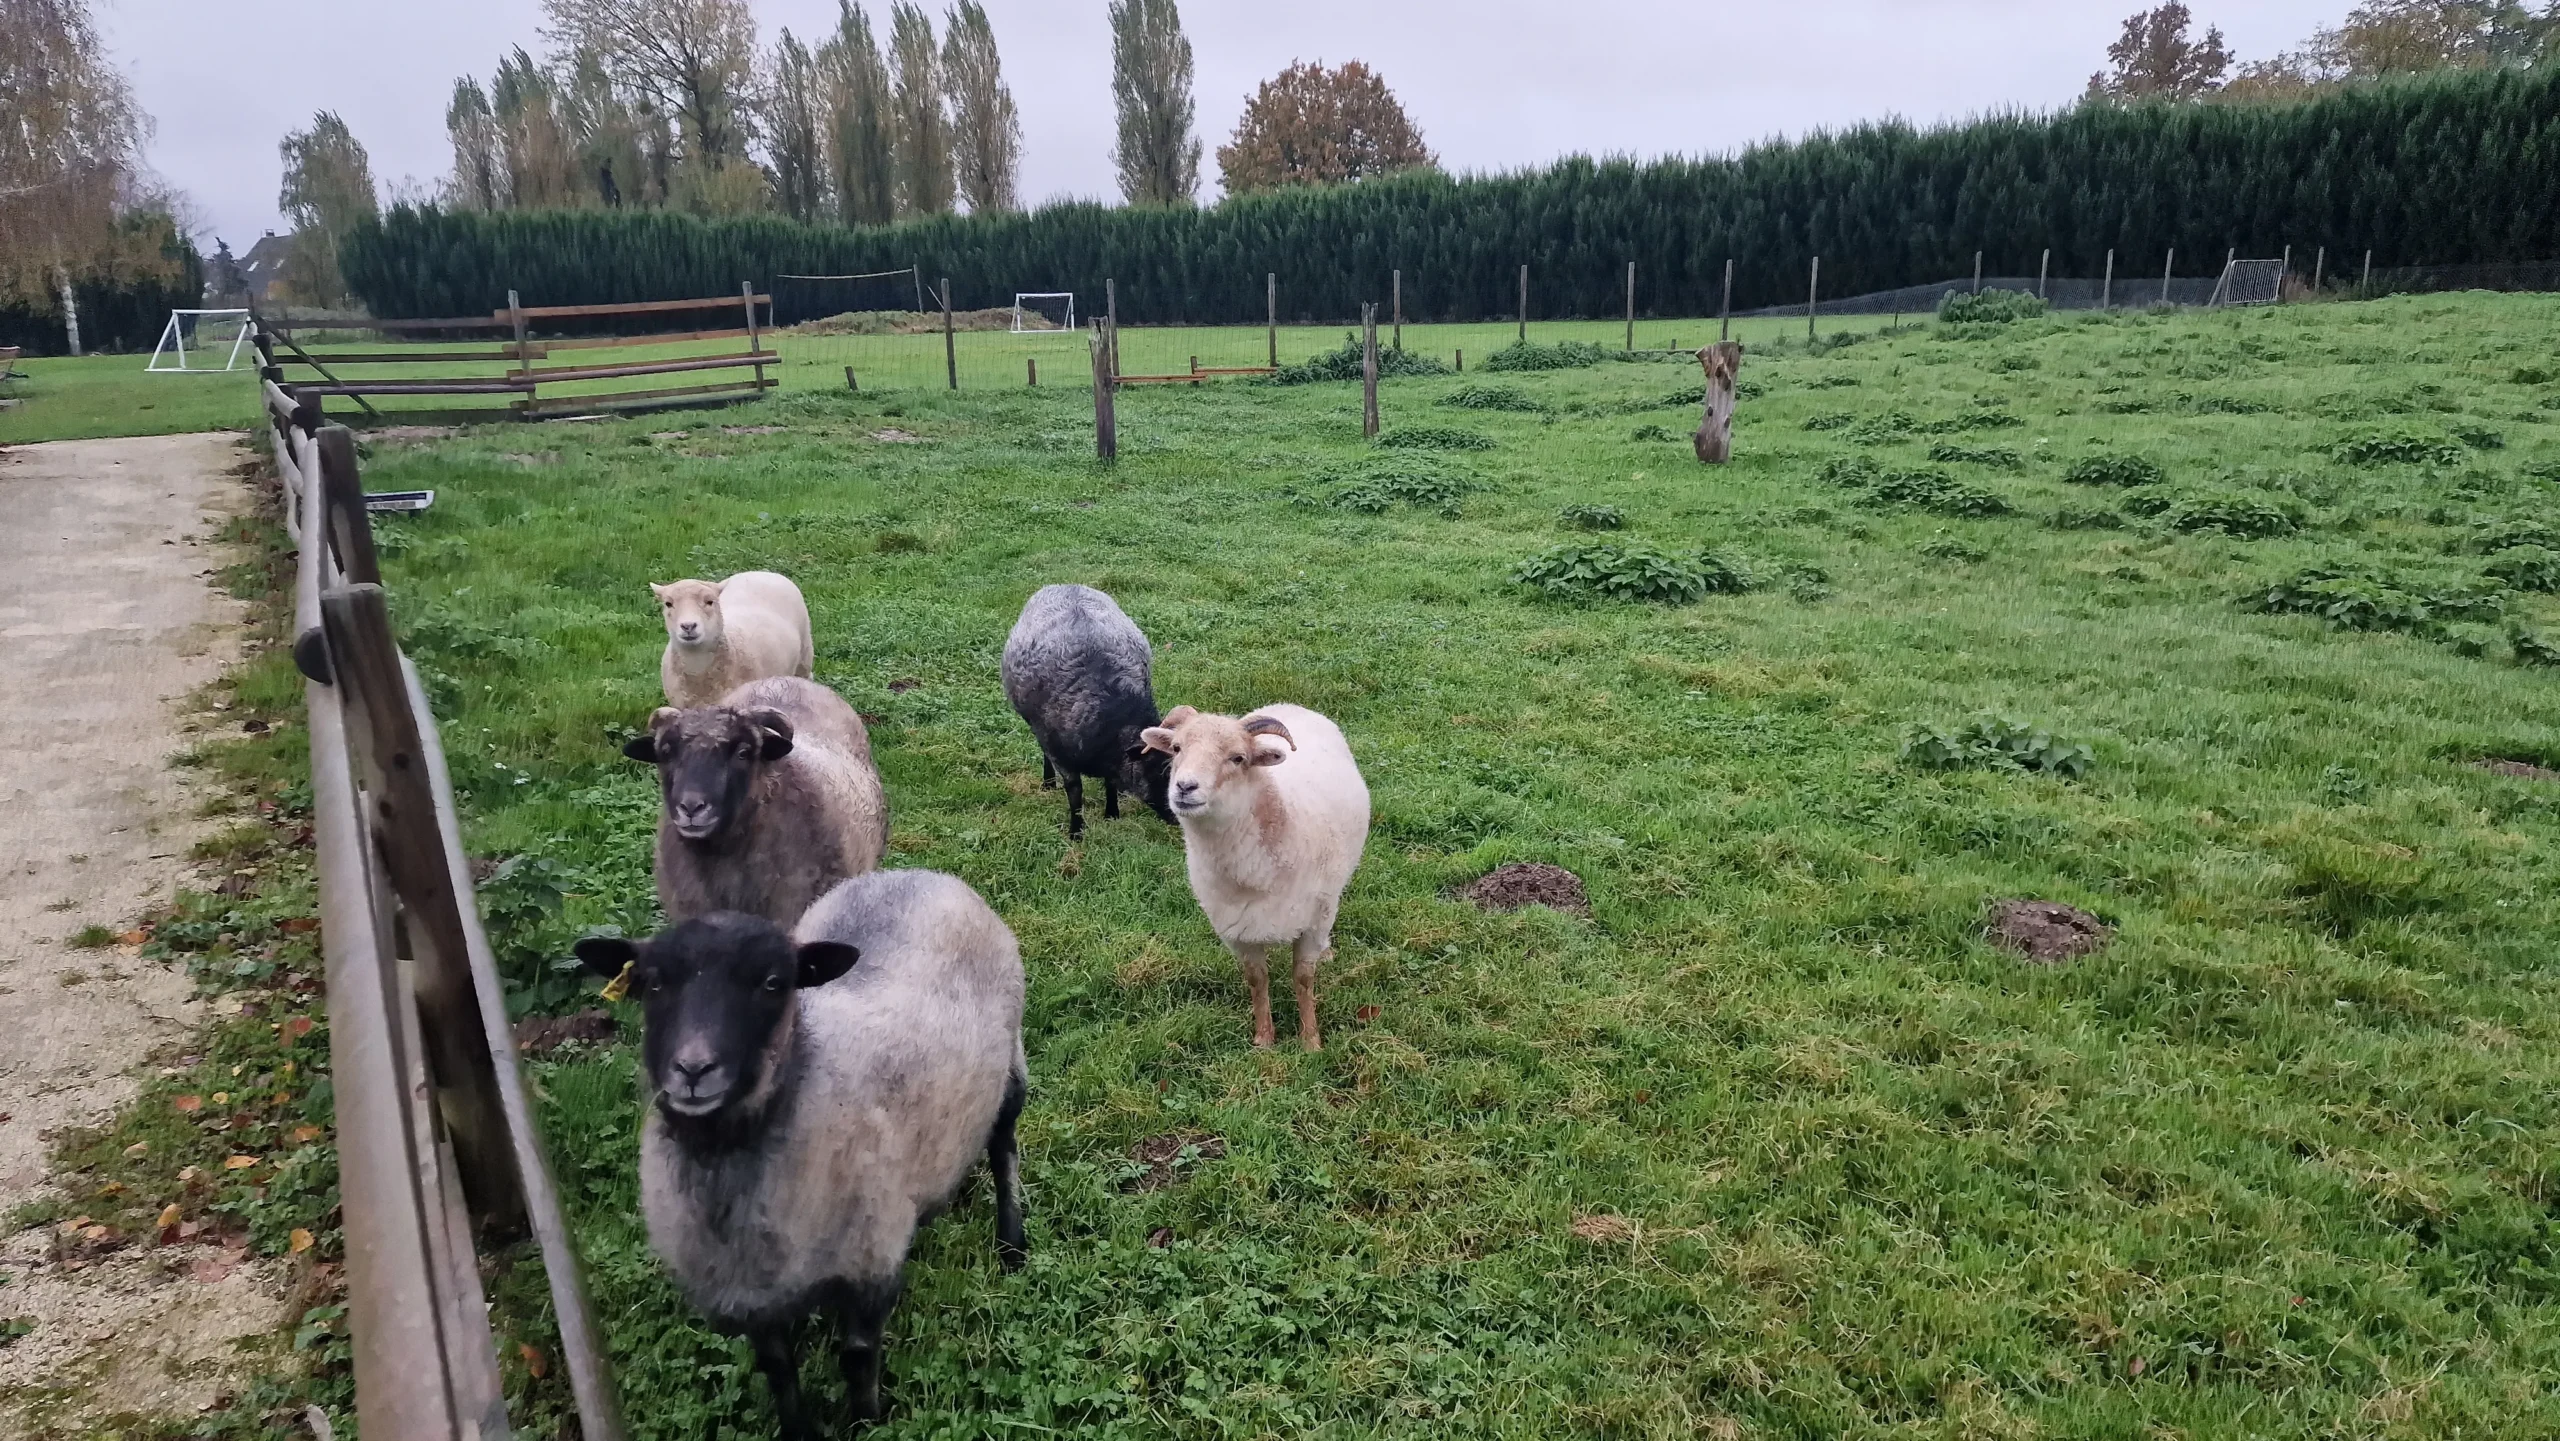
437 1146
516 351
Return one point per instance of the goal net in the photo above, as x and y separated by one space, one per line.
879 302
2250 282
1044 310
201 340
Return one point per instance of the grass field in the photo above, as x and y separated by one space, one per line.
1774 1143
97 395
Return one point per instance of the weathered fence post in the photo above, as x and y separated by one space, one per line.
1524 305
2044 271
755 338
524 356
2319 271
1399 312
1813 300
1631 307
1714 440
1111 326
1031 370
1369 370
1106 427
1271 314
849 382
2284 272
1977 272
2167 269
2364 285
1724 316
950 346
2107 292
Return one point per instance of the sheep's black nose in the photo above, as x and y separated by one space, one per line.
1186 787
693 1072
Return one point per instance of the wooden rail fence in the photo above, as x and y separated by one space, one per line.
437 1146
516 350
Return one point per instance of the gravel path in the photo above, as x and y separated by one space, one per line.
109 620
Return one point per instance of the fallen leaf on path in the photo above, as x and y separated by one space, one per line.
534 1364
189 1105
305 1135
301 1242
239 1163
168 1215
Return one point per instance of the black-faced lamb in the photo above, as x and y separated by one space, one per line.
1078 673
1273 814
769 798
723 634
815 1098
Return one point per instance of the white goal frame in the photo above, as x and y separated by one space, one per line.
1069 296
2250 282
173 341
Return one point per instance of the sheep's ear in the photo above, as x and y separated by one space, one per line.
642 748
775 727
823 961
1267 751
1179 714
657 590
1154 738
606 955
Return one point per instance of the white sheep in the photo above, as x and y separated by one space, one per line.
1273 815
721 635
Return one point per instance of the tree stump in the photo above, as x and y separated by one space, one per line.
1722 361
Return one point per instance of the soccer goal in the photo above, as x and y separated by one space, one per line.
2250 282
192 338
1044 310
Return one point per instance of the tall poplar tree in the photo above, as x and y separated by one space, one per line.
986 130
1157 155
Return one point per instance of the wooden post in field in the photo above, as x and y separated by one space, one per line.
2166 270
1724 317
950 346
1399 304
1524 305
1106 424
2364 286
1813 300
1977 272
1369 370
1462 361
2284 272
1271 314
1631 307
2319 271
849 382
755 338
2044 271
1714 439
1031 371
524 356
1111 327
2107 291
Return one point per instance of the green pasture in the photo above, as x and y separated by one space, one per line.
1773 1143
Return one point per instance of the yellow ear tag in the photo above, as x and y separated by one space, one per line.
620 985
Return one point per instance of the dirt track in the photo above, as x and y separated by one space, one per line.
109 620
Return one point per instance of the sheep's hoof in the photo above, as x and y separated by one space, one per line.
1312 1042
1264 1041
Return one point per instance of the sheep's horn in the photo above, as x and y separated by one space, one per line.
1263 725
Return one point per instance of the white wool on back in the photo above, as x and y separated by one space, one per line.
1268 873
764 631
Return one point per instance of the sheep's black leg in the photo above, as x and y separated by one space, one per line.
1110 799
862 1311
1075 806
1004 1158
1048 773
782 1373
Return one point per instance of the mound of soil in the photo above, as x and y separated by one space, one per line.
1528 883
540 1035
2521 770
1159 1155
2046 932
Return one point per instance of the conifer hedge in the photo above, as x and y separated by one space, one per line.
2437 170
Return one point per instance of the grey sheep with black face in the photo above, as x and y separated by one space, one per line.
815 1098
769 798
1079 673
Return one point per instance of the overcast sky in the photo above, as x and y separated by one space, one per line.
1494 84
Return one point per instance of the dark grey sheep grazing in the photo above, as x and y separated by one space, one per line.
769 799
1078 671
815 1098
